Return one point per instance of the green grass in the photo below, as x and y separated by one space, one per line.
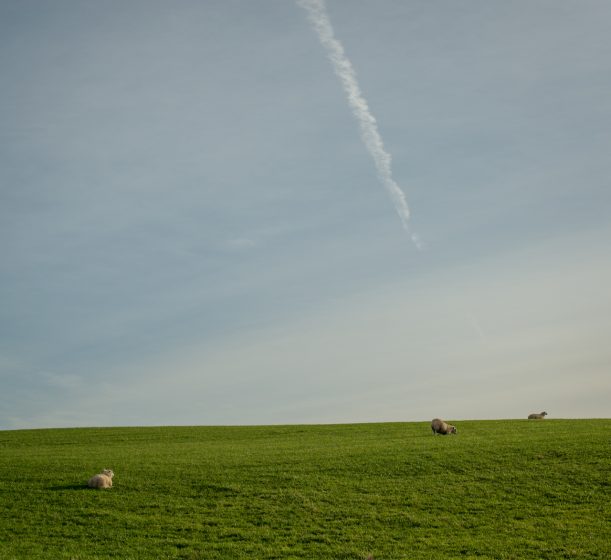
499 489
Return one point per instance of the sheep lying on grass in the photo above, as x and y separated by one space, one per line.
440 427
539 416
102 480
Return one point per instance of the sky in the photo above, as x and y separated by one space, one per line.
194 230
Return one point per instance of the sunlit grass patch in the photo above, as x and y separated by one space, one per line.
498 489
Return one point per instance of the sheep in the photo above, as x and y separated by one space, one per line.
440 427
539 416
102 480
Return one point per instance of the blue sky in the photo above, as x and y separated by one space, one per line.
193 232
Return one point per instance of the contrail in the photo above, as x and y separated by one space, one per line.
317 14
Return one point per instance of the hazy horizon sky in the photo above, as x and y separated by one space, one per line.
193 231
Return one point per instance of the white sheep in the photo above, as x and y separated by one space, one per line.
102 480
539 416
440 427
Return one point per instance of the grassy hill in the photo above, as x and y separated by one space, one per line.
499 489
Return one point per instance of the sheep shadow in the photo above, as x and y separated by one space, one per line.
59 488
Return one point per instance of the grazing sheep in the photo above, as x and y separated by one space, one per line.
539 416
440 427
102 480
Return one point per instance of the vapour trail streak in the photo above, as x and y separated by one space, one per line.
317 14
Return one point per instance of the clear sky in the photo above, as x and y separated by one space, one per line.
192 230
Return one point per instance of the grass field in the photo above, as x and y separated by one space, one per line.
499 489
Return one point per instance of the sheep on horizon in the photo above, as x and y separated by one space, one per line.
440 427
539 416
102 480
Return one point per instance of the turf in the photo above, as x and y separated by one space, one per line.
499 489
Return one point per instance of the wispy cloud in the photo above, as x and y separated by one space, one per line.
370 135
64 381
241 243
